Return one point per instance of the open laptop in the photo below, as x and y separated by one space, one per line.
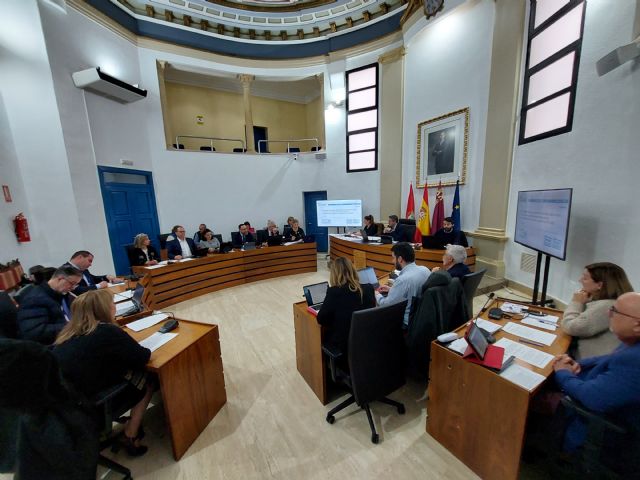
432 243
366 238
315 294
274 241
135 305
368 275
249 246
201 252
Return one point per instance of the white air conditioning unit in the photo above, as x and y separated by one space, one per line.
95 81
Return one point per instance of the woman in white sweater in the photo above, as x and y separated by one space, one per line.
587 316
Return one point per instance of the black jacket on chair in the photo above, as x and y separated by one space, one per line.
441 308
40 316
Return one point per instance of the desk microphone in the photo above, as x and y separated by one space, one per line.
490 297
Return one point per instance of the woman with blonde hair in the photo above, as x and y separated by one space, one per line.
345 295
142 253
95 354
587 315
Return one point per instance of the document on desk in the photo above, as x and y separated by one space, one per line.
146 322
126 295
545 318
156 340
529 333
534 322
509 307
157 265
114 284
488 326
123 307
459 346
522 377
527 354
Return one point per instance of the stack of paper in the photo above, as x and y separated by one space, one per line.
146 322
158 265
126 295
522 377
509 307
530 333
459 346
534 322
488 326
123 307
530 355
156 340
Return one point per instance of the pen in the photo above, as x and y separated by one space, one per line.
548 322
531 342
507 363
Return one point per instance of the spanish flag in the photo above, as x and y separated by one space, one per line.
424 224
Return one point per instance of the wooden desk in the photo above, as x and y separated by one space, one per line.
180 281
309 356
477 415
378 256
189 368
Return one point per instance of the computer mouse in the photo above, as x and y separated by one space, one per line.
169 325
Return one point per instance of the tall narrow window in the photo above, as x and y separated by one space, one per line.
551 76
362 119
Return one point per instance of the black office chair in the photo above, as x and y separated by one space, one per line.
441 308
376 360
178 147
162 239
316 149
262 235
239 150
8 316
293 149
470 284
409 226
208 148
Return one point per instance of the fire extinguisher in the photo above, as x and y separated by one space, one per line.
22 228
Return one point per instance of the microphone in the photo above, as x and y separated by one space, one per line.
490 297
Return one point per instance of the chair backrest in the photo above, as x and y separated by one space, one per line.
239 150
407 221
208 148
380 229
219 237
470 284
179 147
8 316
294 149
377 352
162 238
262 235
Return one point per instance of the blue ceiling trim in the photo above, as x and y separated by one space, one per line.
246 49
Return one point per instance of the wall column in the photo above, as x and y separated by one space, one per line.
490 237
248 116
161 66
390 131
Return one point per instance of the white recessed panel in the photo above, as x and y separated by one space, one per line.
554 38
362 99
362 141
551 79
362 79
547 116
362 161
546 8
360 121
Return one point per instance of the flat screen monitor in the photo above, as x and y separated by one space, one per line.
542 220
339 213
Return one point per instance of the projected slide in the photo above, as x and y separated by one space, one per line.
542 220
339 213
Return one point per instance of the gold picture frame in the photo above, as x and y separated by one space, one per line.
442 147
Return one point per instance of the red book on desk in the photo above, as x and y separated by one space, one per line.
493 357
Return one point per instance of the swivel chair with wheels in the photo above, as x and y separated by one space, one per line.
375 359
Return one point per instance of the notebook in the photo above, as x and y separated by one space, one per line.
315 295
368 275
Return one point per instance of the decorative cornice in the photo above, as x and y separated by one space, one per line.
392 56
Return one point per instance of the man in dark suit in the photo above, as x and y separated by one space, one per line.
395 230
181 246
242 236
448 235
82 260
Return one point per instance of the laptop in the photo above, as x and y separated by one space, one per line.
274 241
249 246
315 294
368 275
201 252
366 238
133 306
431 242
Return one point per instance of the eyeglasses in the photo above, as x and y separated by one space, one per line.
613 310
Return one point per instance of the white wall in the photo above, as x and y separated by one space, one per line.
447 67
599 159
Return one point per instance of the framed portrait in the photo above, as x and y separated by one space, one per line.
441 153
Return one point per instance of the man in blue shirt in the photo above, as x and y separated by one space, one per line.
409 282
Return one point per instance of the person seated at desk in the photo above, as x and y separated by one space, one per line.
242 236
272 229
143 253
608 383
345 295
296 233
95 354
199 235
587 316
249 227
453 261
47 308
287 227
181 246
37 276
209 242
395 230
82 260
449 235
409 282
370 227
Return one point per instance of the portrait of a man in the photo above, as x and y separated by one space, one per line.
441 151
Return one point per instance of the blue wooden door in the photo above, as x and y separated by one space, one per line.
130 208
311 219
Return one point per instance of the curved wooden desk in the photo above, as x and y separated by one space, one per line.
379 256
180 281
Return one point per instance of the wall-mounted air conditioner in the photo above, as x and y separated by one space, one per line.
95 81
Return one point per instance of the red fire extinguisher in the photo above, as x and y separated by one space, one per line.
22 228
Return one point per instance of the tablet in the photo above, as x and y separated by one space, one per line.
476 340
